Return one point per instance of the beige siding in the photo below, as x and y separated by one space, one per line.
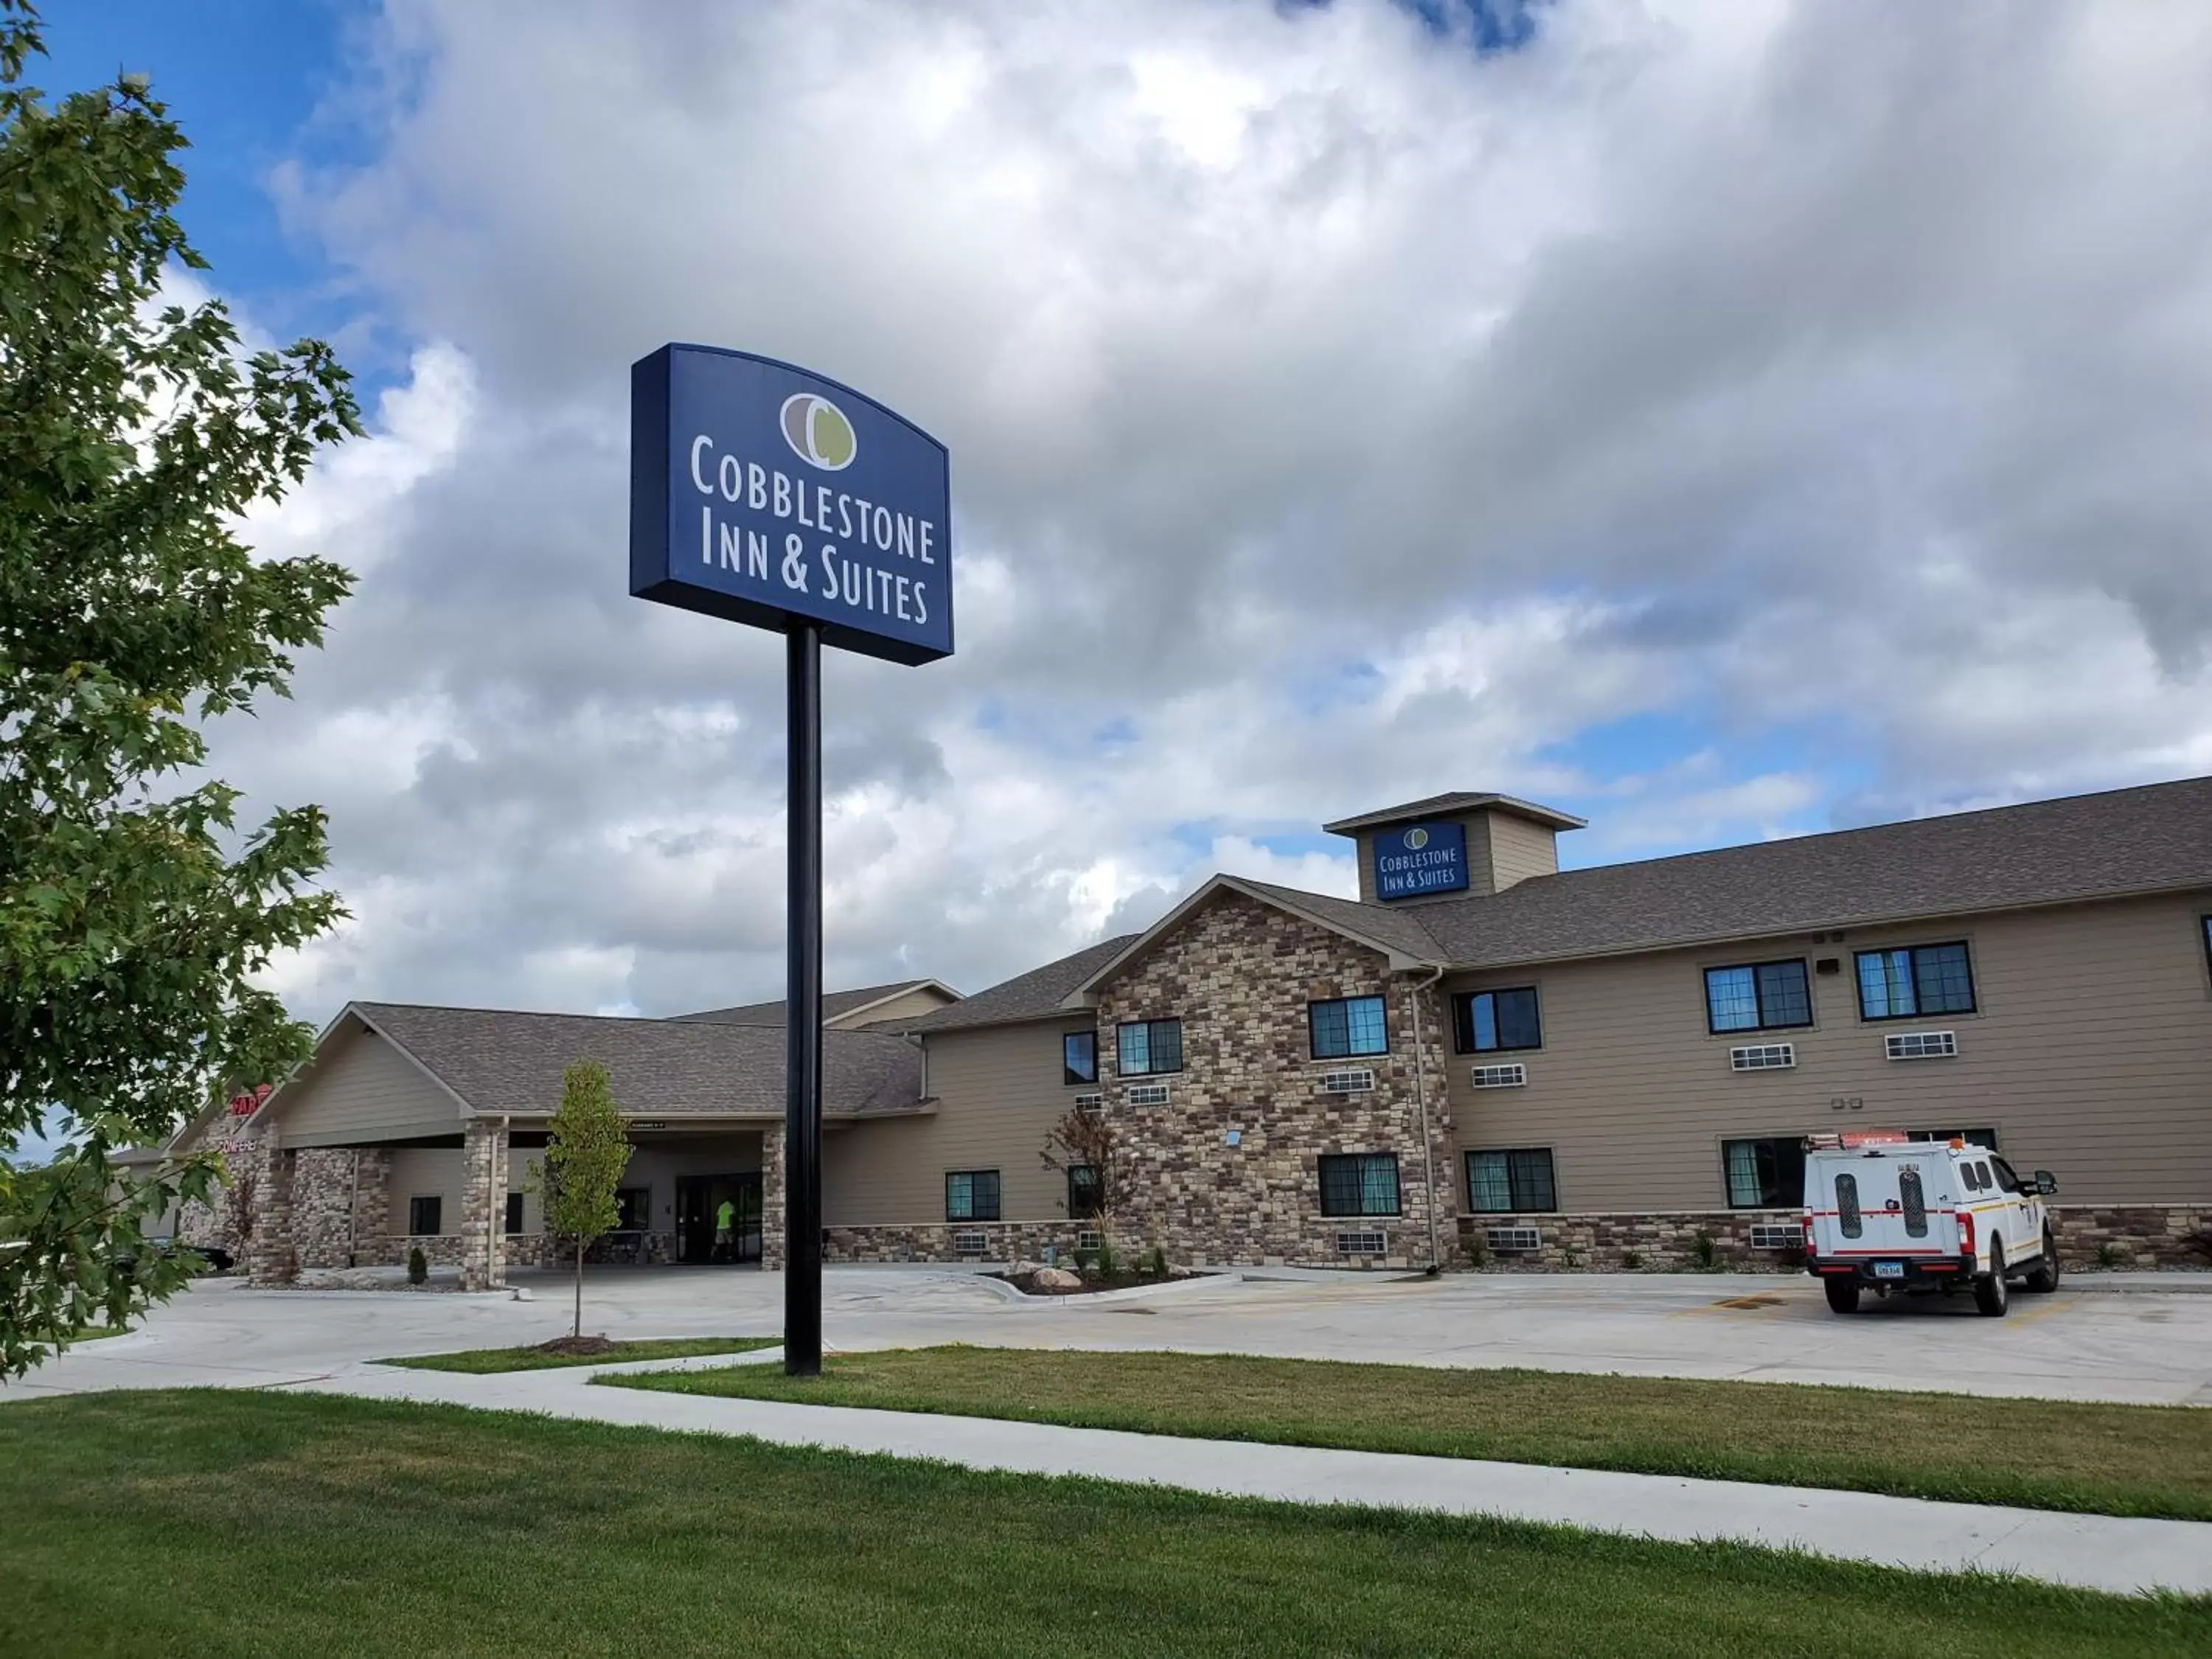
361 1090
421 1172
2091 1054
1001 1092
923 999
1520 849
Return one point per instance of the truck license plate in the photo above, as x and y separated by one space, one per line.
1889 1270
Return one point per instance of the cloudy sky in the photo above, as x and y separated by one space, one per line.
1718 420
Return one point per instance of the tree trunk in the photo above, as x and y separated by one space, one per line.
579 1329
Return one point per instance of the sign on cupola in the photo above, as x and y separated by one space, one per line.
1415 859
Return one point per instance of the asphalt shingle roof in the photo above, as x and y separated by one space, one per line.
2083 847
501 1060
1027 996
833 1003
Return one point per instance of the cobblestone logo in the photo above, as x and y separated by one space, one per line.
818 432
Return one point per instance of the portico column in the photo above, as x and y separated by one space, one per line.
266 1197
483 1205
772 1239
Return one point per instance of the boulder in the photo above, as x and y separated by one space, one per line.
1055 1278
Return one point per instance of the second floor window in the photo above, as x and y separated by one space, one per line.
971 1196
1915 982
1348 1025
1079 1057
1484 1022
1762 996
1149 1046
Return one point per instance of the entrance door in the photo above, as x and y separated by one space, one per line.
718 1217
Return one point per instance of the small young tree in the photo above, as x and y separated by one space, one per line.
1084 1146
585 1152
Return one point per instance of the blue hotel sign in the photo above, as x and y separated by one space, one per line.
760 492
1421 858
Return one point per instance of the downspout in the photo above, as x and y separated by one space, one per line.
1421 1095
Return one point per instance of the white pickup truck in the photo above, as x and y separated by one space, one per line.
1886 1212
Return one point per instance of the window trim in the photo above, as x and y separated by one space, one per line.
1757 1002
999 1196
1466 999
1121 1026
1973 989
1788 1200
1552 1161
1067 1077
1312 1031
1320 1181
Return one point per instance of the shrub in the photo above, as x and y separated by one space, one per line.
418 1266
1703 1252
1106 1259
2109 1254
1633 1260
2198 1243
1156 1262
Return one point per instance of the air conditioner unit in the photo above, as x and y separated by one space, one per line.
1513 1241
1763 1057
1776 1236
1148 1094
1362 1243
1921 1045
1358 1081
1097 1097
971 1243
1515 1076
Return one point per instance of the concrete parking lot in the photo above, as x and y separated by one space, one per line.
2151 1344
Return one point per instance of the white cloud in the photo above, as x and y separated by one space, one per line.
1337 418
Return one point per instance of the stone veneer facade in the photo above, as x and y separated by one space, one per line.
1239 973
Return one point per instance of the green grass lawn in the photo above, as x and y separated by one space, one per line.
2108 1459
481 1361
219 1523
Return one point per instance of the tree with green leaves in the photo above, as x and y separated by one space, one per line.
134 911
586 1149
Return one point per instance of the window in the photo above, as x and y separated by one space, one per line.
1511 1181
1847 1207
1359 1183
1765 1175
1148 1046
1349 1025
1079 1057
971 1196
1483 1021
2007 1177
633 1209
425 1215
1921 979
514 1212
1759 996
1082 1190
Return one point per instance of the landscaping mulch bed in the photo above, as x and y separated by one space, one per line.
1093 1281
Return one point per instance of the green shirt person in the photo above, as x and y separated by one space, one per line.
724 1217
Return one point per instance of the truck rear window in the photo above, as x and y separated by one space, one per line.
1847 1206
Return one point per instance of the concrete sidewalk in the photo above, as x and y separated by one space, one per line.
2091 1552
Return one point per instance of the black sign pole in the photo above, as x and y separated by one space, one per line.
802 1069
